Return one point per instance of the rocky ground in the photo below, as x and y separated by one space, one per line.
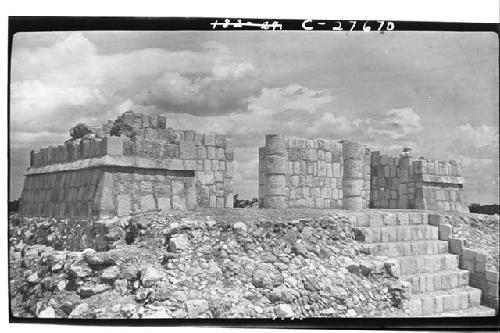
244 263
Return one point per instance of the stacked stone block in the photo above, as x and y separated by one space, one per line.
441 185
158 168
471 260
309 173
70 152
420 256
275 164
407 183
62 194
392 182
129 190
480 277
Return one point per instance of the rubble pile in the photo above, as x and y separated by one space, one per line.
65 234
202 266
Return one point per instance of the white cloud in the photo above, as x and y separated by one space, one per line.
394 124
54 87
480 141
173 92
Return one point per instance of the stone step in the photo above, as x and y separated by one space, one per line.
478 311
396 233
397 249
380 219
444 301
427 282
427 263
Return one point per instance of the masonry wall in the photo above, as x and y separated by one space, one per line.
442 186
158 168
473 260
310 173
392 182
106 191
62 194
407 183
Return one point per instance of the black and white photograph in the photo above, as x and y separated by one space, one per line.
252 169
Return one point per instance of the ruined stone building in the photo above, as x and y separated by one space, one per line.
321 173
148 166
137 163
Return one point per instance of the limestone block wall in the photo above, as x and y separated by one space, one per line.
106 191
473 260
392 182
71 151
129 190
442 186
210 156
313 173
482 278
61 194
158 168
408 183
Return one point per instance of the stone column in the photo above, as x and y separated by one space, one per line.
367 157
352 179
32 158
275 195
262 177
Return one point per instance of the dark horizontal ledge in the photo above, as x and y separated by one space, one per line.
116 161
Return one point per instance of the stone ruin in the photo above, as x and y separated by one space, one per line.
313 173
321 173
137 163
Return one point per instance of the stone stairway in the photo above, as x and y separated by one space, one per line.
438 286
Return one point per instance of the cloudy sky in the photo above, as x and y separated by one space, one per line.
436 92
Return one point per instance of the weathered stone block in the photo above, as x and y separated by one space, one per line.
336 170
209 177
220 141
435 219
416 218
113 145
147 202
211 153
492 276
164 203
275 165
218 176
162 121
445 231
207 165
201 152
123 202
189 164
178 202
456 245
199 165
175 164
481 257
177 186
209 140
492 289
187 150
219 154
